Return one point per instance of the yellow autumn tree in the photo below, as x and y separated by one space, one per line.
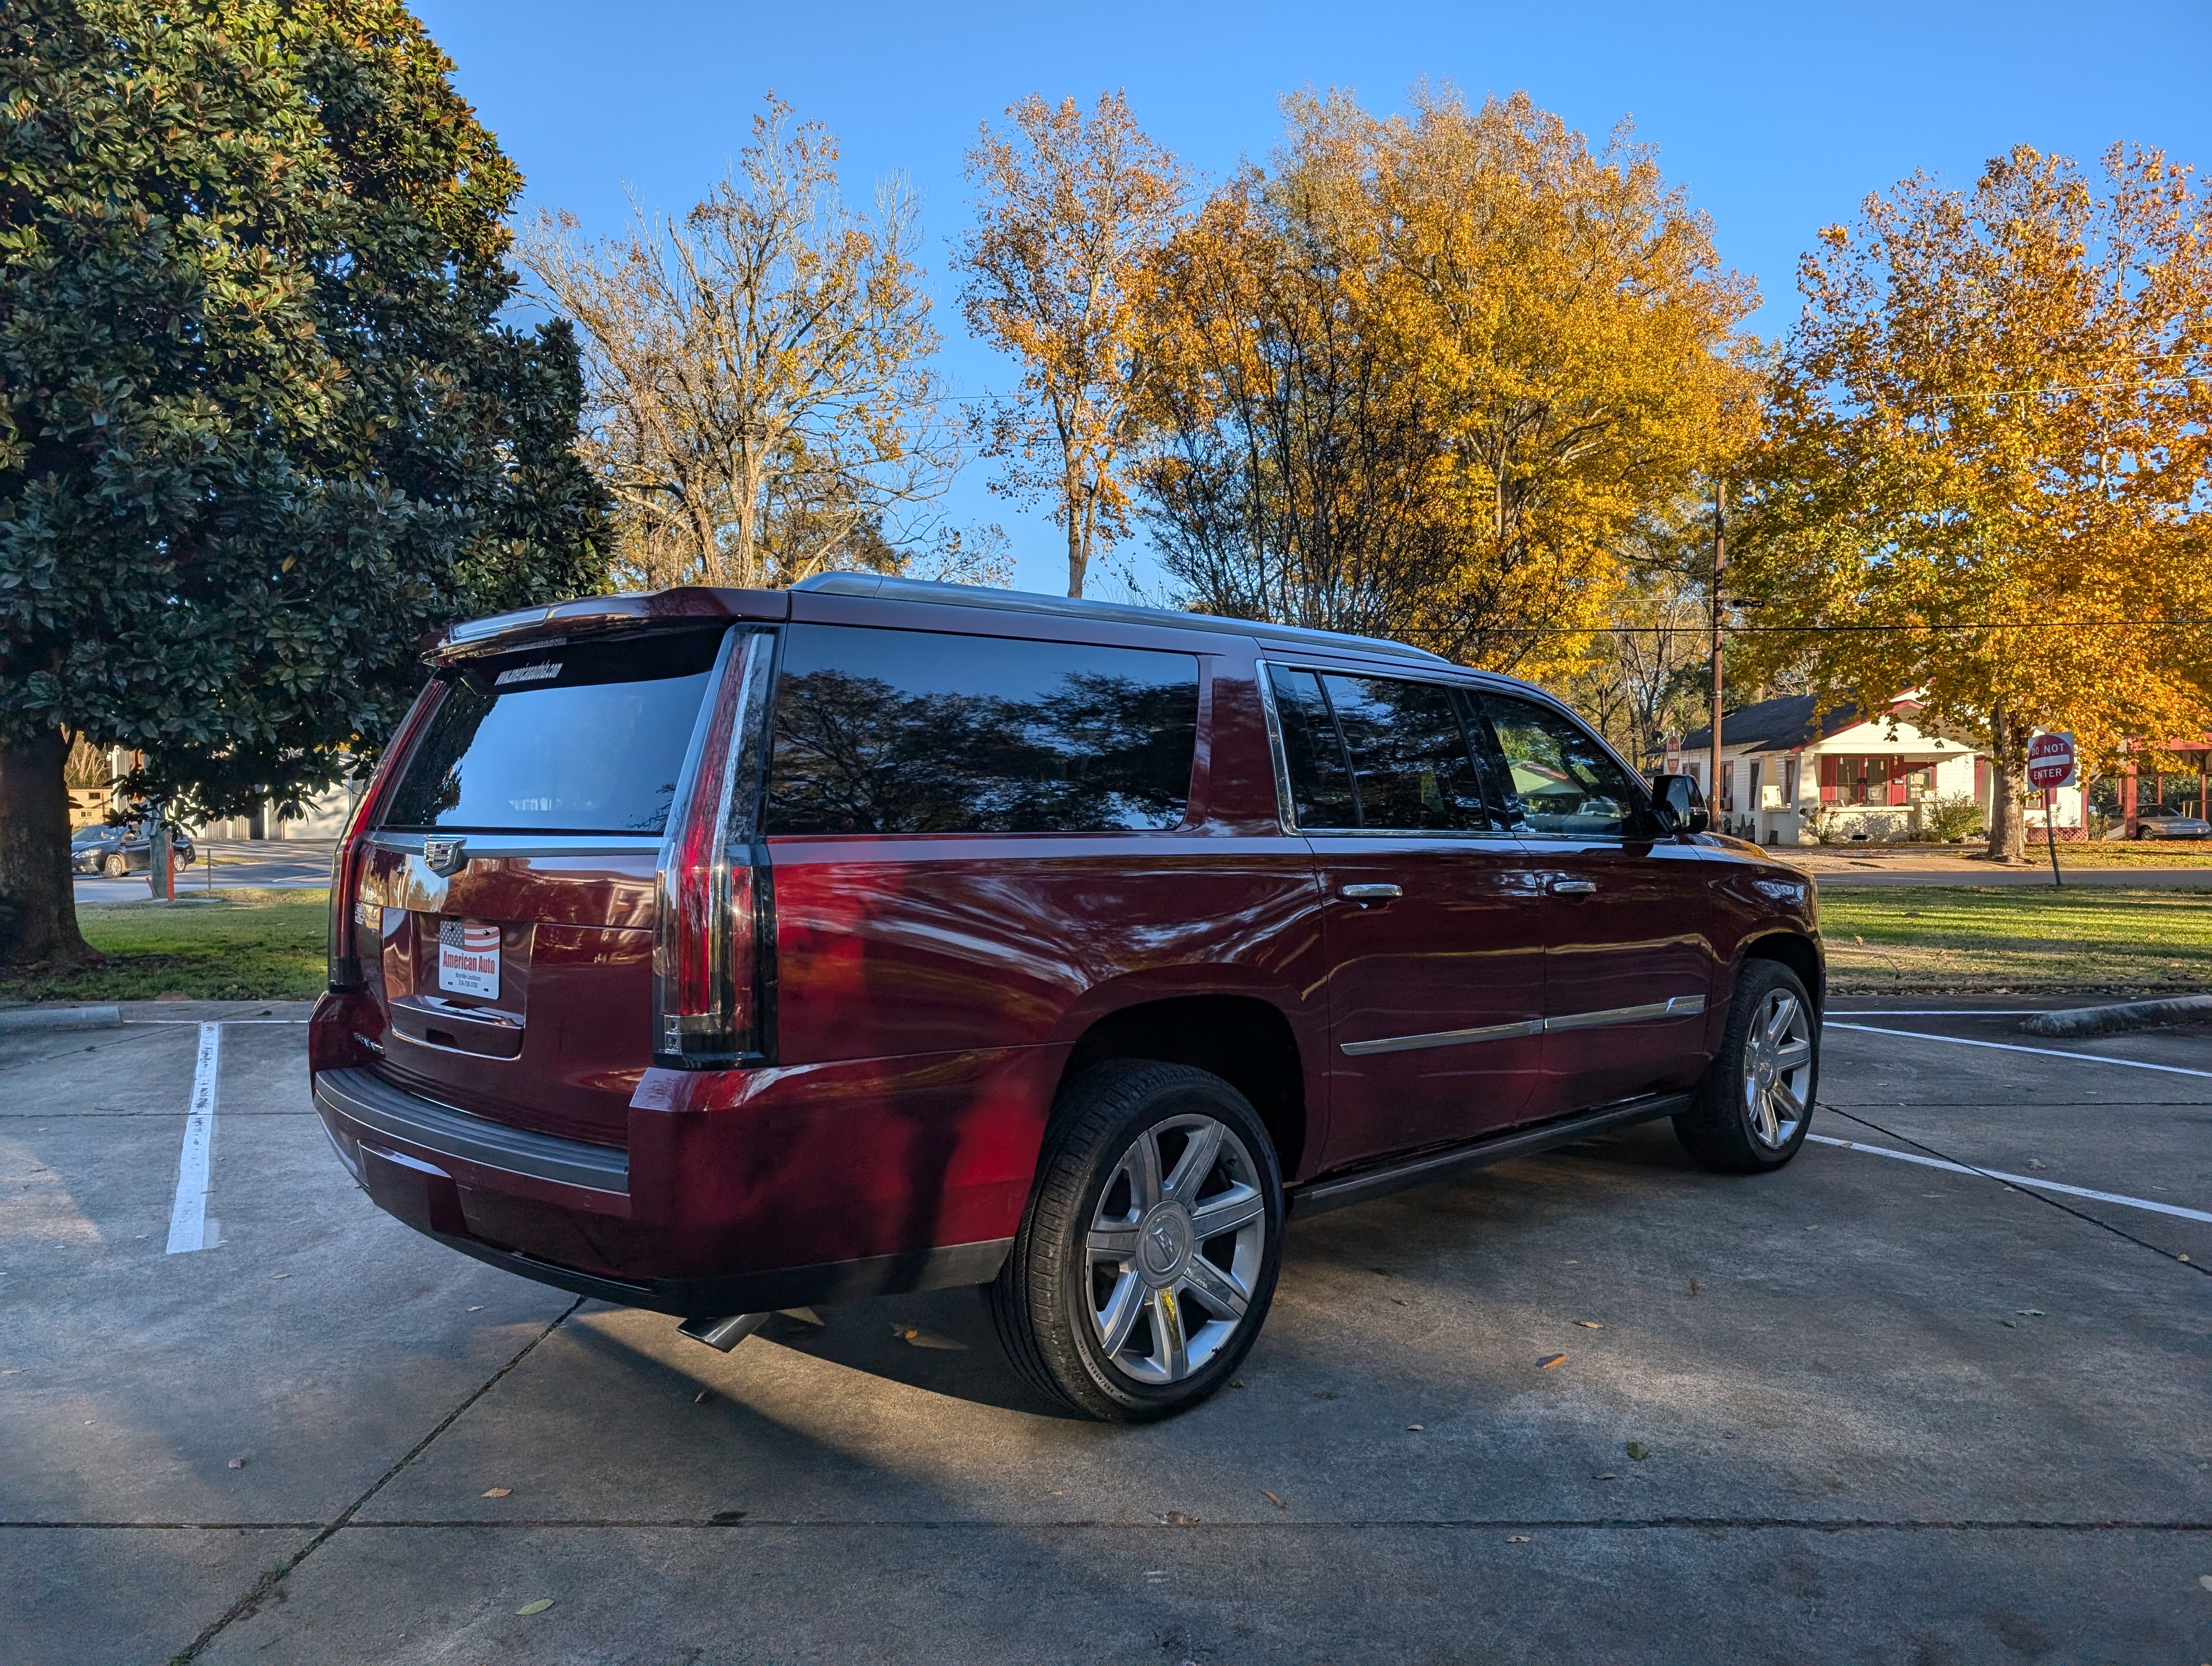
1069 213
1428 374
1985 477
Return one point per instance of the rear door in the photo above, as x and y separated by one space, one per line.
1628 963
507 908
1435 951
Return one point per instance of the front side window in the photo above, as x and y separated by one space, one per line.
1568 784
923 732
559 739
1384 754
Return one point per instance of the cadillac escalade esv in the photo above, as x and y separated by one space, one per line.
716 952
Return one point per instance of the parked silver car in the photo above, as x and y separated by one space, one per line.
2171 824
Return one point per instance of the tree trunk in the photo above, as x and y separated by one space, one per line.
38 895
2007 767
1078 558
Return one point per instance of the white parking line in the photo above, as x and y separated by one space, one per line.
2024 1180
188 1221
2014 1047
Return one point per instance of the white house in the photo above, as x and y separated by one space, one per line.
1788 779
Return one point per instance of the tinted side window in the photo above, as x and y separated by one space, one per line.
1411 768
917 732
1320 790
559 739
1568 785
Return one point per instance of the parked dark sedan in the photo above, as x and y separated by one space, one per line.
115 851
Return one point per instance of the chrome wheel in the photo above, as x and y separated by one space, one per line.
1174 1248
1777 1069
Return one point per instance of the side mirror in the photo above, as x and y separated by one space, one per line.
1679 803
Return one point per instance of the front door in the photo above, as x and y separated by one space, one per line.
1432 933
1628 963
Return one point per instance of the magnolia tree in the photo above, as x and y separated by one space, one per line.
1985 474
260 430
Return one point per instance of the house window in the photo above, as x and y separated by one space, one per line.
1751 787
1728 786
1862 781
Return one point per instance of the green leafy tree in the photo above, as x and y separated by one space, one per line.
260 427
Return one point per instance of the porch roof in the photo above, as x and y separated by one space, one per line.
1774 726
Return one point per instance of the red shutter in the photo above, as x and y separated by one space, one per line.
1828 781
1981 779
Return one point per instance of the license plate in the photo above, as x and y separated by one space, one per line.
468 958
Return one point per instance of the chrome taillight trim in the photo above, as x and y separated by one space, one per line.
721 782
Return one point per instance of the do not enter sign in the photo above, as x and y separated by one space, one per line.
2050 761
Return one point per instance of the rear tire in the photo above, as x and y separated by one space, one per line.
1147 1257
1755 1107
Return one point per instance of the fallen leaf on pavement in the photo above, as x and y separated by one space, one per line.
2029 1312
1638 1450
923 1339
1549 1361
1517 1538
1273 1499
2205 1580
238 1464
539 1606
1693 1286
1605 1474
1589 1324
1415 1427
498 1491
702 1397
1176 1519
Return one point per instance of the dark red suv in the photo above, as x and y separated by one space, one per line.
722 951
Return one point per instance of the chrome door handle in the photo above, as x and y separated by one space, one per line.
1369 893
1573 887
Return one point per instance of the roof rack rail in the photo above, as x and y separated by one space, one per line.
1069 607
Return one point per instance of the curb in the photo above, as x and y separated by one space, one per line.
61 1017
2128 1015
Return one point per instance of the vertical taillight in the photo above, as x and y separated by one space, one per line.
345 862
706 948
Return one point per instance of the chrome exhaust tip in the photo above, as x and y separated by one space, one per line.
723 1334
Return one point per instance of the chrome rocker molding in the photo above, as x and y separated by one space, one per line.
1336 1191
376 1104
1681 1007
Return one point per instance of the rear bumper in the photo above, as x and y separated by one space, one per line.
736 1191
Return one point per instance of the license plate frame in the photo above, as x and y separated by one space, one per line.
468 958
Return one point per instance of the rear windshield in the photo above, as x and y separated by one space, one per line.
915 731
559 739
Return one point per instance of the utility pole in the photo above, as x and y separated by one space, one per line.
1720 566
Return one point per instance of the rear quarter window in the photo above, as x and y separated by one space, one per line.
923 732
559 739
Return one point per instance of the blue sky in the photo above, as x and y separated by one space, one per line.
1778 119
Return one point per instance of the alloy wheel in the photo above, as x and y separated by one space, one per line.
1777 1069
1175 1248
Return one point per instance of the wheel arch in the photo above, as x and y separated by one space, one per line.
1246 1040
1800 954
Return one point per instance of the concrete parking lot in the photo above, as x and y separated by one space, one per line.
1868 1409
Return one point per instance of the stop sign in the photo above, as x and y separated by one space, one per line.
2050 761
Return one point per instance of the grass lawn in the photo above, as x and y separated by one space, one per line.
246 945
2012 936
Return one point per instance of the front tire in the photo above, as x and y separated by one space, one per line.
1755 1107
1147 1257
116 867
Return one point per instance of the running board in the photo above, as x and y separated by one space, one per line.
1336 1191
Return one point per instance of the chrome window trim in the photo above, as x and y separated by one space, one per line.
1678 1006
474 845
